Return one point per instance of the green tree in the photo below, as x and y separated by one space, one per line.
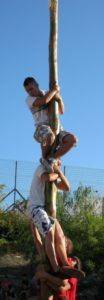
76 214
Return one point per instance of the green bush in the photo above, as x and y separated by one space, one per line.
15 231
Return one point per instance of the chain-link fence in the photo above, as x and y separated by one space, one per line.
16 176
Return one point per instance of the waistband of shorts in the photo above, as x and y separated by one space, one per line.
36 207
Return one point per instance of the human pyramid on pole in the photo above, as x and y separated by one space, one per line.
51 243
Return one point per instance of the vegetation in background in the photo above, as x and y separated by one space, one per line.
78 220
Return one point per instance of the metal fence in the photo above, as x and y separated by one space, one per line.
16 177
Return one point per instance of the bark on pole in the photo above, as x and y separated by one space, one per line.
50 189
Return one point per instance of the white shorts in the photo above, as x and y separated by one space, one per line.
41 220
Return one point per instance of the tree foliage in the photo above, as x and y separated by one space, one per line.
83 226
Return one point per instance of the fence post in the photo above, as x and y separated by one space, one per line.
15 181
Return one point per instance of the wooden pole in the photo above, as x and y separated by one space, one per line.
53 62
50 188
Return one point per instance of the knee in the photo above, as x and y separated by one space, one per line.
75 140
71 139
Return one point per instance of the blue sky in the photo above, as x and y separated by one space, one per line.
24 32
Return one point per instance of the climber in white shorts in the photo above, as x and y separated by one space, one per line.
45 224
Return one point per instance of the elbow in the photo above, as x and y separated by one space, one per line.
62 109
61 112
68 188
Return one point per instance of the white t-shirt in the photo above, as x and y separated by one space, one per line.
40 116
37 189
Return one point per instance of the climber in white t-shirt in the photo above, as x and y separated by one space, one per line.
46 225
38 103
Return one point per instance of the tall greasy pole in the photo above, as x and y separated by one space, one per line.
50 189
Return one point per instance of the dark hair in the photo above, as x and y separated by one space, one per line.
78 263
29 80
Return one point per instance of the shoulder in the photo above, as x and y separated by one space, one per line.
30 100
40 171
42 93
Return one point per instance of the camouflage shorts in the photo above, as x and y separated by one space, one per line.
61 135
41 134
59 140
